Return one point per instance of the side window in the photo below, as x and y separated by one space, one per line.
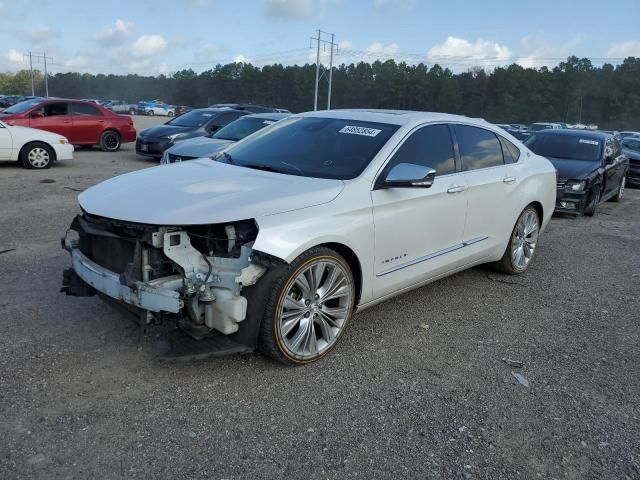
430 146
510 152
85 109
55 109
479 148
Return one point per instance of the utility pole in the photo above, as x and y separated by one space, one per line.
33 88
315 97
330 74
46 77
319 40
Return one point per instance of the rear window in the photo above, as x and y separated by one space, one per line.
241 128
479 148
192 119
85 109
314 147
571 147
510 152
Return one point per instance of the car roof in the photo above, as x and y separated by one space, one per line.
216 110
587 134
395 117
268 116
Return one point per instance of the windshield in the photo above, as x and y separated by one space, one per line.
192 119
241 128
313 147
571 147
631 144
23 106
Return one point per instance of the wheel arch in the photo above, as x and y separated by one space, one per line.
31 142
354 264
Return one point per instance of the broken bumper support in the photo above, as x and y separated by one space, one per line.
138 294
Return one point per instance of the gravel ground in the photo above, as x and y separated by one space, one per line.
417 388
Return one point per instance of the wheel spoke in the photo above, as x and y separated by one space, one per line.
291 323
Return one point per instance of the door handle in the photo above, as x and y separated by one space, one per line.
456 189
509 179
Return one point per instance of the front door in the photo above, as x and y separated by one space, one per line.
6 143
418 231
53 117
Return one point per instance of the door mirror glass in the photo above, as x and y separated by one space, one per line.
409 175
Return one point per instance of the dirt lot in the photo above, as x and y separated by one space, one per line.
416 389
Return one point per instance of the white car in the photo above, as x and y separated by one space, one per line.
278 240
160 109
31 147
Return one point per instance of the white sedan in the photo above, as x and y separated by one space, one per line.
31 147
276 242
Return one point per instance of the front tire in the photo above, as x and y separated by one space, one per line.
522 243
170 114
132 112
150 112
592 205
110 141
308 307
37 156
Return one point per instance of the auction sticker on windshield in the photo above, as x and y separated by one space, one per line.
353 130
590 142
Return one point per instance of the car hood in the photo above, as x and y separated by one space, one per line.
28 134
573 169
163 131
631 154
203 192
199 147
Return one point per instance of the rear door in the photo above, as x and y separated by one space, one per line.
54 117
88 123
491 186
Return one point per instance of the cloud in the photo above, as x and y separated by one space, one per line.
461 52
345 45
37 35
198 4
14 56
116 34
624 49
292 9
380 4
241 59
541 51
148 45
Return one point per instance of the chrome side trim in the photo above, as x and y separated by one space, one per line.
424 258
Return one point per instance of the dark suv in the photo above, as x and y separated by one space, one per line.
152 142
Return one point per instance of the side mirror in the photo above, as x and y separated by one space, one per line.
408 175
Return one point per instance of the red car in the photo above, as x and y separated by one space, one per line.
83 123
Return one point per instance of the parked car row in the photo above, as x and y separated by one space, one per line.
81 123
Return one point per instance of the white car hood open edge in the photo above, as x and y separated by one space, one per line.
203 192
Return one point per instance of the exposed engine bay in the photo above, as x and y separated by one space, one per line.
190 275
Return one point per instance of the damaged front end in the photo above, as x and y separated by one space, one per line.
190 277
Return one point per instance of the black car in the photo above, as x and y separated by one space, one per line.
152 142
631 149
591 167
249 107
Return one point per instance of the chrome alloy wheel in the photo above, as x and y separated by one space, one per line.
525 238
315 309
38 157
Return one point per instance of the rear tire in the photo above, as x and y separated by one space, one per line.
110 141
307 307
522 243
37 156
170 114
150 112
618 196
592 205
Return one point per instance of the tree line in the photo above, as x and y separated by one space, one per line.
573 91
